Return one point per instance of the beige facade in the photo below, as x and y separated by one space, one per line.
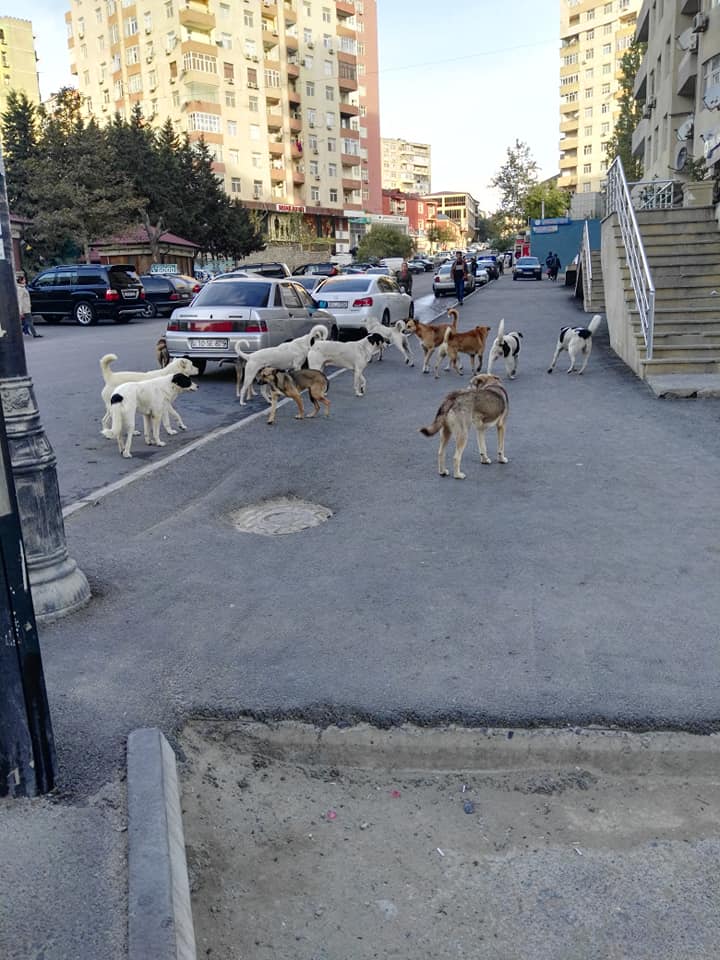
18 65
460 208
594 35
406 166
278 90
678 84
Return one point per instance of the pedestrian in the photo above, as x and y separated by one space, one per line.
25 307
556 265
501 264
549 259
458 271
405 276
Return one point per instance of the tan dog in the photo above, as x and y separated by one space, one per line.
484 404
431 336
291 384
471 342
161 352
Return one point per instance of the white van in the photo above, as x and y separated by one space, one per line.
394 263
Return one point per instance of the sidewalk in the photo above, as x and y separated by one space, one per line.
575 585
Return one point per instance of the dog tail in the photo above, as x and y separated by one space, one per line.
439 420
595 323
105 365
318 332
238 351
452 312
448 333
501 330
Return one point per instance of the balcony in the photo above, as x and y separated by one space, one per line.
348 109
277 174
349 133
293 96
275 148
349 32
344 9
290 12
274 119
638 138
271 63
197 17
570 107
291 41
351 184
690 7
348 83
568 143
200 78
204 46
349 159
569 163
687 75
642 27
298 177
295 124
269 9
640 86
270 37
570 125
293 70
273 94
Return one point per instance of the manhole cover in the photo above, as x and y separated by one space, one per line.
280 516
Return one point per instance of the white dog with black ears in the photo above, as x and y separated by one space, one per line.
394 335
576 340
507 347
354 355
151 398
285 356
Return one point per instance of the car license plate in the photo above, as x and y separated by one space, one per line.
337 304
213 344
130 294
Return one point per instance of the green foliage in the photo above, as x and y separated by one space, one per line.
382 241
440 233
620 144
20 145
514 180
555 199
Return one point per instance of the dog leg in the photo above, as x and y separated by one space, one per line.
501 443
128 441
147 429
273 406
482 445
300 415
460 444
558 348
166 422
172 412
587 351
573 356
444 440
327 405
426 361
360 384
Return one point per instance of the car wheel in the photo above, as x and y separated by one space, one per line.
411 311
84 314
385 319
149 311
334 333
199 363
50 318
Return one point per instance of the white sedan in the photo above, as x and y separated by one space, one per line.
359 300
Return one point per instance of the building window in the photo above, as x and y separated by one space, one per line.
587 149
332 169
588 93
315 194
205 122
309 88
232 128
333 195
605 108
225 11
604 129
588 113
230 98
587 188
135 83
272 78
169 10
254 104
607 49
248 18
332 145
235 185
329 93
131 26
254 131
326 15
587 167
202 62
587 132
314 168
329 120
607 68
589 54
327 68
257 189
590 35
605 89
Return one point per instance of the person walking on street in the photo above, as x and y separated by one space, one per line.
458 272
405 277
549 259
25 308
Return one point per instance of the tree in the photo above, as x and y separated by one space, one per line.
440 233
382 241
547 197
20 146
620 144
514 180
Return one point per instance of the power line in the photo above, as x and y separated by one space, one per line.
469 56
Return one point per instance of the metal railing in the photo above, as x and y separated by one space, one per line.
620 202
654 194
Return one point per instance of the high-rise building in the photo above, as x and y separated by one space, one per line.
461 209
405 166
18 64
284 92
594 35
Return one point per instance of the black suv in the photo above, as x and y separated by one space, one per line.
88 293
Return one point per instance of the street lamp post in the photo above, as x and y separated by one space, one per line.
58 585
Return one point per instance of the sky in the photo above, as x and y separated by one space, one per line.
469 78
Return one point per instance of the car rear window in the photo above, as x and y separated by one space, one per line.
351 284
123 276
154 284
233 293
528 261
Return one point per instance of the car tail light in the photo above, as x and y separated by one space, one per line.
436 279
363 302
173 325
174 296
221 326
111 295
142 294
256 326
197 288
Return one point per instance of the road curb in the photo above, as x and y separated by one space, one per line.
160 925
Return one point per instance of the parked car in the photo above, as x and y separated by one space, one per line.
416 266
327 269
428 264
443 283
88 293
357 300
274 269
165 292
490 265
264 311
311 281
482 276
380 271
527 267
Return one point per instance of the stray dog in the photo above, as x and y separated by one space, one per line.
508 347
484 404
161 351
471 342
431 336
354 355
291 383
395 335
113 379
285 356
576 340
151 398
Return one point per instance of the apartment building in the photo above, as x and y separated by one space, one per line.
421 214
18 63
461 209
678 84
594 35
405 166
284 94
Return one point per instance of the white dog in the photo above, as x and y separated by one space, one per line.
507 346
355 356
114 379
151 398
285 356
576 340
395 335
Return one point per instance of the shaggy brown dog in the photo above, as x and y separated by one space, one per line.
291 383
471 342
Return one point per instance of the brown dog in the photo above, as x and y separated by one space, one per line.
471 342
291 383
431 336
161 352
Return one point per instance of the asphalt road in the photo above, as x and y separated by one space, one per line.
577 584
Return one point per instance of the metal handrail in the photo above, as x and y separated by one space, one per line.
653 194
620 202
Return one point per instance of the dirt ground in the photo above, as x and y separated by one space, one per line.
415 843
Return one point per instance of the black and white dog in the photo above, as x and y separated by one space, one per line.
506 346
576 340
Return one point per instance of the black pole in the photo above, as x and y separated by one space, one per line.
27 750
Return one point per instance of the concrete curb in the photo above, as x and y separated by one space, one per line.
160 923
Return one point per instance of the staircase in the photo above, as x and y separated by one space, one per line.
682 246
594 292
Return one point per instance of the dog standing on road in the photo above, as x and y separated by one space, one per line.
395 335
113 379
291 383
354 355
471 342
507 346
285 356
431 336
576 340
151 398
483 404
161 352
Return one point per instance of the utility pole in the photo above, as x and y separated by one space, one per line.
27 750
58 585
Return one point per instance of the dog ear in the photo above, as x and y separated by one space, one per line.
182 380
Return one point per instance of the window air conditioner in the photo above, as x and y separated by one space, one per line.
229 80
693 44
148 29
700 22
310 45
149 59
647 111
255 59
317 178
311 124
316 152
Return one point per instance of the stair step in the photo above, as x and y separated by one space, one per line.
669 238
676 215
680 366
679 386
